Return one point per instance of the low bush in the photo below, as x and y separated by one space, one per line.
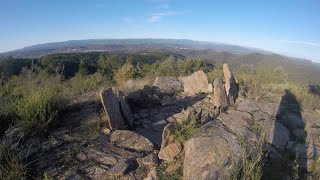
11 167
187 130
39 110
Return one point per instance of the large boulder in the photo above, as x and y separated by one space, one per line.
231 85
168 85
131 140
212 154
125 109
240 123
112 109
196 83
220 99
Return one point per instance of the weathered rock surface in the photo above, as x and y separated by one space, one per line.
13 136
195 83
168 133
112 109
231 85
152 175
125 109
119 169
131 140
169 152
220 99
150 160
239 123
168 85
212 154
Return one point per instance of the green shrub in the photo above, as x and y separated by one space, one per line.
81 84
11 167
187 130
126 72
214 73
37 111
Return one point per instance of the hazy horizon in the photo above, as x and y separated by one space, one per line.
287 27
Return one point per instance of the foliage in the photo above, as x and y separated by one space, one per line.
11 167
126 72
174 175
81 84
252 161
187 129
214 73
39 110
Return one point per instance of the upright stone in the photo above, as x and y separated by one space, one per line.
195 83
125 109
231 85
112 109
220 99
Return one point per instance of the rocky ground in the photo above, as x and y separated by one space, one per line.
134 136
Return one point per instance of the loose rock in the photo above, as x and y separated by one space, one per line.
131 140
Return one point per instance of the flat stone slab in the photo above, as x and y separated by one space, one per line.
131 140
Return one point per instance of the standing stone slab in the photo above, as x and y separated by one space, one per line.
195 83
125 109
112 109
220 99
231 85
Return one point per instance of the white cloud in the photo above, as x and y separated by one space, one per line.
304 43
128 19
155 17
163 6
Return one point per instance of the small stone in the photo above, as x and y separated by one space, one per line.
50 144
81 156
150 160
105 131
119 169
169 152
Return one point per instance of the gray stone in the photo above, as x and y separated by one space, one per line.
195 83
50 144
119 169
112 109
125 109
231 85
131 140
220 99
167 133
168 85
212 154
150 160
170 151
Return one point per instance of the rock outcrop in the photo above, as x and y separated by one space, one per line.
168 85
220 99
112 109
196 83
231 85
211 154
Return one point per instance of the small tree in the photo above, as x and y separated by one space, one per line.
83 68
127 71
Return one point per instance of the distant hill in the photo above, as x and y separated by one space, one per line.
124 44
299 69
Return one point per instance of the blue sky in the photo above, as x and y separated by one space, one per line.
288 27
